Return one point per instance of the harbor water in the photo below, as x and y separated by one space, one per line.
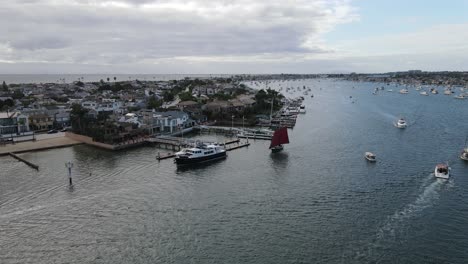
318 201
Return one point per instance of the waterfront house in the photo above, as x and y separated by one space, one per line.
41 121
170 121
13 123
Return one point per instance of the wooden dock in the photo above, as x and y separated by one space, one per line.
241 145
32 165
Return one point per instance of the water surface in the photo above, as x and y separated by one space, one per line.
319 201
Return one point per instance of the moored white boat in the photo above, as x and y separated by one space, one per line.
442 171
265 134
370 157
302 109
424 93
404 91
460 96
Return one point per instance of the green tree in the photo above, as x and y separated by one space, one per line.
4 86
78 118
168 96
17 94
186 96
154 103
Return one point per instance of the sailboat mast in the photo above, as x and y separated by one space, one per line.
271 110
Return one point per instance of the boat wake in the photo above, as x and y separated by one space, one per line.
395 226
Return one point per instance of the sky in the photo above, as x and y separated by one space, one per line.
229 36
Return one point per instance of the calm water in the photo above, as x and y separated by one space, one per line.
317 202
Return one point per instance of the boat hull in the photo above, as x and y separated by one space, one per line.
441 175
188 161
464 156
277 149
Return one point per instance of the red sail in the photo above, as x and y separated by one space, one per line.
280 137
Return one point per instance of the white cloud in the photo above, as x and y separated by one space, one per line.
125 32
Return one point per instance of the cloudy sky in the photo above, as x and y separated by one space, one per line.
236 36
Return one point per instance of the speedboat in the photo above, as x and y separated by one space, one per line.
460 96
424 93
370 157
442 171
201 153
401 123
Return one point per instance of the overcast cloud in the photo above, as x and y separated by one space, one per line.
161 36
144 31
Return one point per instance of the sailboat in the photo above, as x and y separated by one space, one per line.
279 138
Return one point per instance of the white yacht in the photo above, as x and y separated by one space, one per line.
201 153
404 91
401 123
370 157
442 170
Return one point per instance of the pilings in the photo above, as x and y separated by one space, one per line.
32 165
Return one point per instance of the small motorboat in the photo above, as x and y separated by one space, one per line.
390 90
434 91
370 157
460 96
424 93
442 171
401 123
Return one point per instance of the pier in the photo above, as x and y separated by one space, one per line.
32 165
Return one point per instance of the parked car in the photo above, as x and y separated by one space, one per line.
53 131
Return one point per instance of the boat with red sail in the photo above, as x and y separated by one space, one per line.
279 138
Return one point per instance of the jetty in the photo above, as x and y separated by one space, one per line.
30 164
